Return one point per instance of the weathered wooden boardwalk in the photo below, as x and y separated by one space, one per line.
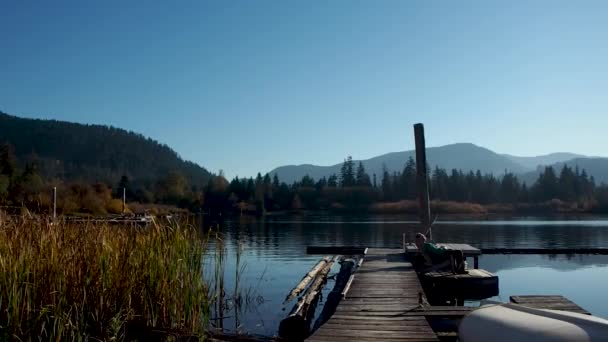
554 302
382 303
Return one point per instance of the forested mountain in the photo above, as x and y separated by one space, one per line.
532 163
462 156
93 153
596 167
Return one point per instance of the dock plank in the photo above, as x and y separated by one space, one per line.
554 302
381 304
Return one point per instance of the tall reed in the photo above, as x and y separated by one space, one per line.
81 281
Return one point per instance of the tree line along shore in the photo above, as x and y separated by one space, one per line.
353 189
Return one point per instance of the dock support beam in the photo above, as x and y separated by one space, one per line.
422 180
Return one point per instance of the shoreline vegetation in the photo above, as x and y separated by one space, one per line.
94 281
569 190
554 206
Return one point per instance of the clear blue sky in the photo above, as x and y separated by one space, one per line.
250 85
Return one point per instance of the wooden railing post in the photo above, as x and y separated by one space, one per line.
422 180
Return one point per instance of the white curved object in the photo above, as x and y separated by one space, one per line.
512 322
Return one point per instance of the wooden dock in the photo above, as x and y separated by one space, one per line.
382 303
555 302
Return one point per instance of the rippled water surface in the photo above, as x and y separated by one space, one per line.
273 257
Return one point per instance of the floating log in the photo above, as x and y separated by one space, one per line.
333 298
295 327
306 279
343 250
222 336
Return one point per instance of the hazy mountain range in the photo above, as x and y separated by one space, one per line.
93 153
462 156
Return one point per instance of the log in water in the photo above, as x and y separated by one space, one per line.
296 325
306 279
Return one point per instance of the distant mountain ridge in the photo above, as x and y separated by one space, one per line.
593 166
461 156
547 159
94 153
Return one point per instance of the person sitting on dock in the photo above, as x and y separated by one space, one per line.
439 257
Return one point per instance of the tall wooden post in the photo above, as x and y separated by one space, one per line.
124 199
422 180
54 203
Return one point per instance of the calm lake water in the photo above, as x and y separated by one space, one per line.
273 257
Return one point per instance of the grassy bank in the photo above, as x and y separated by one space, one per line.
450 207
83 281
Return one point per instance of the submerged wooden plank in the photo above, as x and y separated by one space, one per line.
472 273
315 338
553 302
343 250
601 251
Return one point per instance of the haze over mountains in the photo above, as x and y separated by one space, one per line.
462 156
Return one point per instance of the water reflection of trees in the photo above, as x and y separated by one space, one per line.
290 234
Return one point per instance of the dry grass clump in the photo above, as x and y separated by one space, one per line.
80 281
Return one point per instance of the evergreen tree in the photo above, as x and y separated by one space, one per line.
386 184
362 178
347 175
332 181
509 189
546 187
267 188
307 182
524 194
8 162
408 180
395 185
259 194
587 185
439 179
250 189
321 184
456 186
267 180
477 188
